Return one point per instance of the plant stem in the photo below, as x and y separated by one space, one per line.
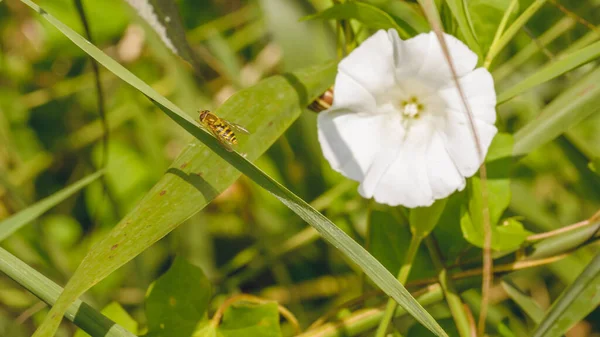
390 308
452 297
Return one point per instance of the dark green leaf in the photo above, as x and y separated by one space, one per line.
526 303
486 16
178 300
424 219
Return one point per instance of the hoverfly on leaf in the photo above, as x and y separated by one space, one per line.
222 129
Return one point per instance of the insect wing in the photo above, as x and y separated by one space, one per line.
238 128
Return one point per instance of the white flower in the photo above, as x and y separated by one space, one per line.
398 125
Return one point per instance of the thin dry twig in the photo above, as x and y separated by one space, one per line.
584 223
433 17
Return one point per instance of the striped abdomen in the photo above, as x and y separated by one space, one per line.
225 132
322 102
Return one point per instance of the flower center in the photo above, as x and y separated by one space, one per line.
411 108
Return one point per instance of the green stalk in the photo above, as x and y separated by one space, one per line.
80 313
452 297
403 274
511 7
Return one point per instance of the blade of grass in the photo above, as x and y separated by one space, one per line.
512 30
553 70
460 13
526 303
576 302
277 101
569 108
80 313
10 225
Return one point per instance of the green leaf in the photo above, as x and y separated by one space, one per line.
388 242
574 304
198 175
510 234
115 312
571 107
424 219
526 303
486 16
178 300
242 320
553 70
17 221
80 313
368 15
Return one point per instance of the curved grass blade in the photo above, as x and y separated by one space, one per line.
80 313
10 225
553 70
574 304
266 109
569 108
369 15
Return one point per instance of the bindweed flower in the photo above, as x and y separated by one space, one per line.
398 124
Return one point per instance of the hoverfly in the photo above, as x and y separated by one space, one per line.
222 129
322 102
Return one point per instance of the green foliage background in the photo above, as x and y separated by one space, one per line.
246 241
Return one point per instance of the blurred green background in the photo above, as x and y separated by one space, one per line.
51 136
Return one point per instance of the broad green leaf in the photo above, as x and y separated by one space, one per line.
574 304
388 242
207 330
198 175
486 16
526 303
424 219
115 312
12 224
80 313
369 15
569 108
510 234
164 18
553 70
177 301
242 320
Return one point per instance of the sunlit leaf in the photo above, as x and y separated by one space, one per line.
486 16
510 233
423 219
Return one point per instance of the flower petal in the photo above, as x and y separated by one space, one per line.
461 145
478 87
422 56
347 93
403 177
349 140
444 176
371 64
